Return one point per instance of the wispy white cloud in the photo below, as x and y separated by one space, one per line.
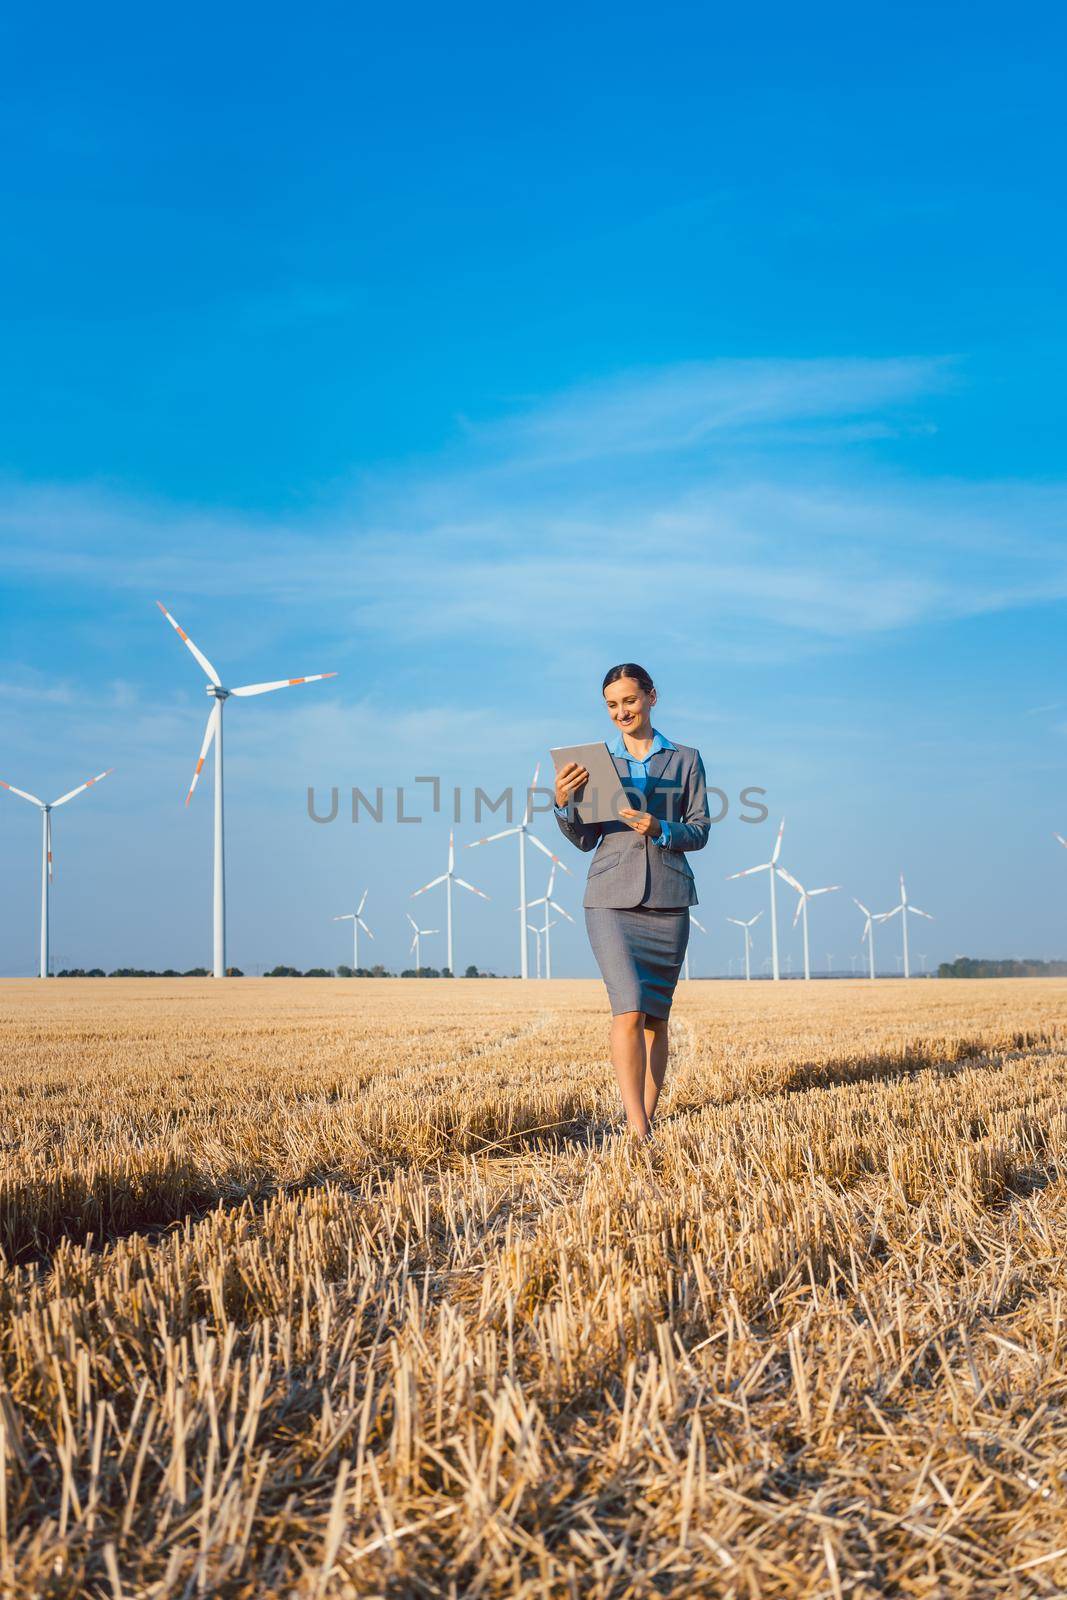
683 407
533 530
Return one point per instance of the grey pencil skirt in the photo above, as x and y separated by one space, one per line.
639 951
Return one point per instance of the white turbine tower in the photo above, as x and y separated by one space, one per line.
802 907
902 909
537 933
416 945
769 867
522 829
868 932
450 877
748 940
356 919
214 731
547 901
46 809
685 963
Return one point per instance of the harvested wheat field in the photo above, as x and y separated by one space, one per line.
326 1289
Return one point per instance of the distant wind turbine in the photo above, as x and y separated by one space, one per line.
902 909
547 901
769 867
416 944
46 809
449 878
748 926
356 919
685 964
868 931
220 695
537 933
802 907
522 829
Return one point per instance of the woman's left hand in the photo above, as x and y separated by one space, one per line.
641 822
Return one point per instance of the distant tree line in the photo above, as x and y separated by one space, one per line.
373 972
275 972
973 967
140 972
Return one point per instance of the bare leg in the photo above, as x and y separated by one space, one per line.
656 1055
629 1060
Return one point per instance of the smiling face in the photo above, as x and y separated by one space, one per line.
629 707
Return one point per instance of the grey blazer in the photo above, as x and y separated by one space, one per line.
629 869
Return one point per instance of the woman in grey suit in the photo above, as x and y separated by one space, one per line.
640 886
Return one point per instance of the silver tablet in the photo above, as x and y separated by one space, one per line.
603 795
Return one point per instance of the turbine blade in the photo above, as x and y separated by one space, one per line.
764 866
82 786
411 919
366 930
431 885
1062 840
23 795
362 903
545 850
346 916
465 885
861 905
556 907
199 654
919 913
753 920
282 683
830 889
533 785
503 834
789 878
697 924
778 842
212 729
796 913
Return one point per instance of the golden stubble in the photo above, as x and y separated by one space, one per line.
358 1288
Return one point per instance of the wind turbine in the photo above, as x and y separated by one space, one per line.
685 963
356 919
46 810
522 829
214 731
769 867
450 877
547 901
903 908
748 939
537 932
868 931
420 933
802 907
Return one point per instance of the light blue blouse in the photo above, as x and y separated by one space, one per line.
639 774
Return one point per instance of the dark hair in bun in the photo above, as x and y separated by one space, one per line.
628 669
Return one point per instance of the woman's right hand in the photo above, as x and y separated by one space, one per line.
568 779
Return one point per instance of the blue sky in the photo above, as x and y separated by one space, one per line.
466 353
